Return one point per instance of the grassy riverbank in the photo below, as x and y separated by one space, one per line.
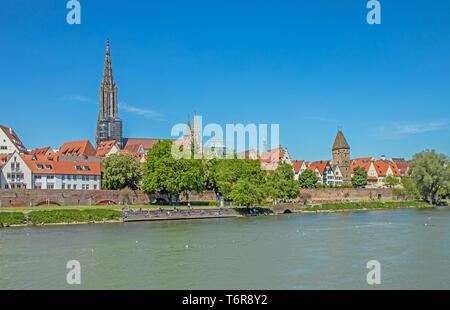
58 217
363 205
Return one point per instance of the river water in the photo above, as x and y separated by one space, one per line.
304 251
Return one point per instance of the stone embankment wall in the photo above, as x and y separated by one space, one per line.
36 197
347 194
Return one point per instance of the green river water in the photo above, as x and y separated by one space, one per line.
304 251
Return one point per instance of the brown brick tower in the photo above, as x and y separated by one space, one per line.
341 157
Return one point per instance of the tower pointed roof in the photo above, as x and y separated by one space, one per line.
188 123
108 79
340 142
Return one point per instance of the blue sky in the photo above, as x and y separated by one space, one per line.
310 66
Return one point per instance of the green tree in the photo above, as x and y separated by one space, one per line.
223 174
246 193
359 178
409 188
391 181
280 183
430 171
120 171
307 179
167 175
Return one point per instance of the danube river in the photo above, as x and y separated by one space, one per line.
305 251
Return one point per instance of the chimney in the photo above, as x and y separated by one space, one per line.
10 131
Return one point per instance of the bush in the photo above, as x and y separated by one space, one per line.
11 218
72 216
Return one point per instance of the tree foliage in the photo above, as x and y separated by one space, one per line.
224 174
167 175
430 171
359 178
246 193
280 183
120 171
409 187
391 181
307 179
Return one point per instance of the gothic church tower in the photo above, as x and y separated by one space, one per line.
109 126
341 157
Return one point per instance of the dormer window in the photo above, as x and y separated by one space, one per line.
78 168
39 166
86 168
48 167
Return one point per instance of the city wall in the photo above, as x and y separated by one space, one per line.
36 197
347 194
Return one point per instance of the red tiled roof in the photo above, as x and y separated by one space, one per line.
146 143
320 165
42 151
401 163
77 148
104 147
11 134
297 165
4 159
51 165
382 167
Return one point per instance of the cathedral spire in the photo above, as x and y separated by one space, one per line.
108 79
109 126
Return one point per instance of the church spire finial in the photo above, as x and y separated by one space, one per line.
107 45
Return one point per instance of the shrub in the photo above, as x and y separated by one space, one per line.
71 216
11 218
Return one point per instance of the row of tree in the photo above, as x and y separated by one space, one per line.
243 181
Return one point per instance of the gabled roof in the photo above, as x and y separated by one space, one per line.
313 169
42 151
42 164
321 165
401 163
340 142
382 167
146 143
77 148
297 165
12 136
105 147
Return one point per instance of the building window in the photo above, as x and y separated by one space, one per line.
95 186
87 186
74 186
68 186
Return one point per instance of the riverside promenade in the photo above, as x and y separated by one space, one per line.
177 214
